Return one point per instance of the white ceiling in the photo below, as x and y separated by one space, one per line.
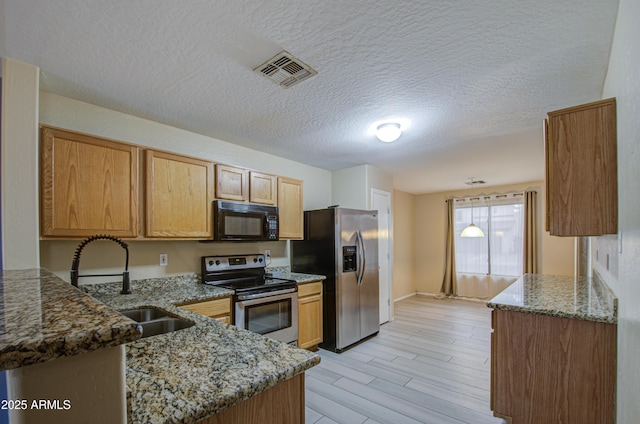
470 81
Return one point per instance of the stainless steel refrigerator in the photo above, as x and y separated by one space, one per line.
342 244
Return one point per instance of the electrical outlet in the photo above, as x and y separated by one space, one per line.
164 259
267 254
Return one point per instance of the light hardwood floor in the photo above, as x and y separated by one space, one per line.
430 365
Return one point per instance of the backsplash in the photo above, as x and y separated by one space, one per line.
604 292
604 254
148 284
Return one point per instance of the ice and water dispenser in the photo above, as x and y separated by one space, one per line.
349 258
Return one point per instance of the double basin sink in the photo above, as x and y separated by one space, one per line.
155 321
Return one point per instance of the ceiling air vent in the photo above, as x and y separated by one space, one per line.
285 69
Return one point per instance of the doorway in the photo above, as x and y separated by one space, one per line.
381 201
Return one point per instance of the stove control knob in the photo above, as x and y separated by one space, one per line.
217 262
260 259
210 263
255 260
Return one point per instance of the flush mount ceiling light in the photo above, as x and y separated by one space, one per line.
388 132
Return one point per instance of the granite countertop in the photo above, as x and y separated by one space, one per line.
300 278
583 298
44 318
192 373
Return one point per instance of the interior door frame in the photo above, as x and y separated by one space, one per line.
377 192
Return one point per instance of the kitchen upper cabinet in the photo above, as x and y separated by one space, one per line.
219 309
290 210
232 183
548 369
263 188
310 315
581 167
179 196
240 184
89 185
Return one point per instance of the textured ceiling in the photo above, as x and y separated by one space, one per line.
470 81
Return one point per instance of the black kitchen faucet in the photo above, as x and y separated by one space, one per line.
76 262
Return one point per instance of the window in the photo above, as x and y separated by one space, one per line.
500 251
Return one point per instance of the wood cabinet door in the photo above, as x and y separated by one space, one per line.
89 185
281 404
582 170
263 188
232 183
552 369
219 309
179 193
290 193
310 315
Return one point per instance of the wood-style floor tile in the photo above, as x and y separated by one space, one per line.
430 365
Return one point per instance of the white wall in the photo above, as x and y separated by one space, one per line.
352 186
349 188
102 257
623 82
20 231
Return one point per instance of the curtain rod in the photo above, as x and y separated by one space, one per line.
483 197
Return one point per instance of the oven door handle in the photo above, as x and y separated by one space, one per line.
265 294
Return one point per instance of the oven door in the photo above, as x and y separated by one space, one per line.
273 314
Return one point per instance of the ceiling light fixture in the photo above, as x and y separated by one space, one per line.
472 230
388 132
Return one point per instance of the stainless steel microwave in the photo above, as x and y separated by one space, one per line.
235 221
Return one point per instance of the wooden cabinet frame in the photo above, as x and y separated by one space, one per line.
548 369
219 309
263 188
89 185
581 170
290 208
310 315
100 193
232 183
179 196
282 404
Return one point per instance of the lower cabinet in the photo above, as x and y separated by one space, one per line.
310 315
282 404
219 309
547 369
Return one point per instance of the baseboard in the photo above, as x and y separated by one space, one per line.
436 295
404 297
441 296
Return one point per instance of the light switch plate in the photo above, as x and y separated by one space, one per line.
164 259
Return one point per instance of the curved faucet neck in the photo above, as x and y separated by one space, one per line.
75 265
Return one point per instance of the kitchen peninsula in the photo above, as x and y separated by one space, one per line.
190 375
553 350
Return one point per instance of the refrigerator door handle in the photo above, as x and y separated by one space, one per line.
364 258
361 257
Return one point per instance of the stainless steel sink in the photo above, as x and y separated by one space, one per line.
164 325
156 321
144 314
